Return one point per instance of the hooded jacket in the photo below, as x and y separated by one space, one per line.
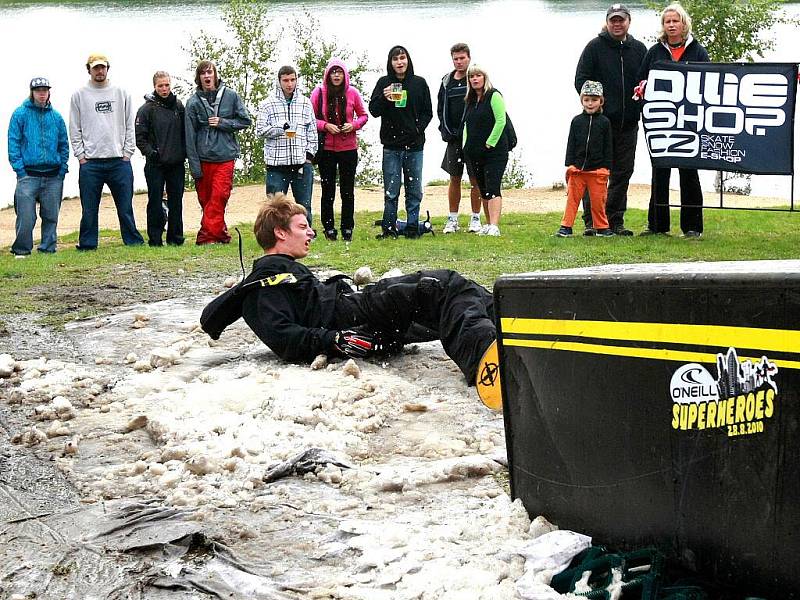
37 140
589 146
403 123
273 114
160 134
354 111
616 65
214 144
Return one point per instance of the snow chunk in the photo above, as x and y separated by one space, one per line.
392 273
363 276
320 362
142 366
351 368
7 365
202 465
30 437
57 429
136 423
163 357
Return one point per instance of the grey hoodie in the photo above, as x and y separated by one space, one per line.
214 144
101 122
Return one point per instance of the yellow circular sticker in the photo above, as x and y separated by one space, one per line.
488 379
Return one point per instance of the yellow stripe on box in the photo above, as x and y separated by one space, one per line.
650 353
766 340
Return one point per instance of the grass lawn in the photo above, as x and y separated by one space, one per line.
38 283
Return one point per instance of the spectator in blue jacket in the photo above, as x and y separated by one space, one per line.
38 151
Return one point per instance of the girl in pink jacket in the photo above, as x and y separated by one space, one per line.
340 113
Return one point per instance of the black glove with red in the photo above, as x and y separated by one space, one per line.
354 343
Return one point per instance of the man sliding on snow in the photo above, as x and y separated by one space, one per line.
299 317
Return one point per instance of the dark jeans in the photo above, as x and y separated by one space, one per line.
118 175
405 166
346 162
158 177
301 180
427 305
691 201
623 157
47 192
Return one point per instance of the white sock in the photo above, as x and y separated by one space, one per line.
454 216
476 216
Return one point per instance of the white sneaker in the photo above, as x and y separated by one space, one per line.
492 230
474 225
451 226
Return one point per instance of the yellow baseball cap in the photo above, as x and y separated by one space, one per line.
96 59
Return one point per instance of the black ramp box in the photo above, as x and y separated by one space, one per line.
658 404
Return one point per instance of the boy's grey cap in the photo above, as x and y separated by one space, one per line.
618 10
591 88
40 82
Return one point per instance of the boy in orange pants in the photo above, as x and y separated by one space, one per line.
588 162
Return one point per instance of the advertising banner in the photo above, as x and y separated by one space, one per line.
721 117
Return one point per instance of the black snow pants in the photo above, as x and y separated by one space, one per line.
425 306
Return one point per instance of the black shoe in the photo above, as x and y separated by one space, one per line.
412 232
390 233
331 235
347 235
692 235
589 232
605 233
620 230
425 226
80 248
564 231
649 231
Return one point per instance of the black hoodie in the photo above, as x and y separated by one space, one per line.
402 127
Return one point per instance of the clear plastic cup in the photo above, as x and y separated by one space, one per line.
397 92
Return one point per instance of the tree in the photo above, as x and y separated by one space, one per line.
734 30
245 60
245 63
312 53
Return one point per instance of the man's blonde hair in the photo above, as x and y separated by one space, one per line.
277 211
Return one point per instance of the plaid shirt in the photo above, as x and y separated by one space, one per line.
273 113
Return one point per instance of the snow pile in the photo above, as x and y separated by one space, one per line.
411 505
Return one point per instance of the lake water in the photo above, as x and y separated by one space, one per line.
529 48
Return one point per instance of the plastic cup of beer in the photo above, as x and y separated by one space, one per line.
291 131
397 92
